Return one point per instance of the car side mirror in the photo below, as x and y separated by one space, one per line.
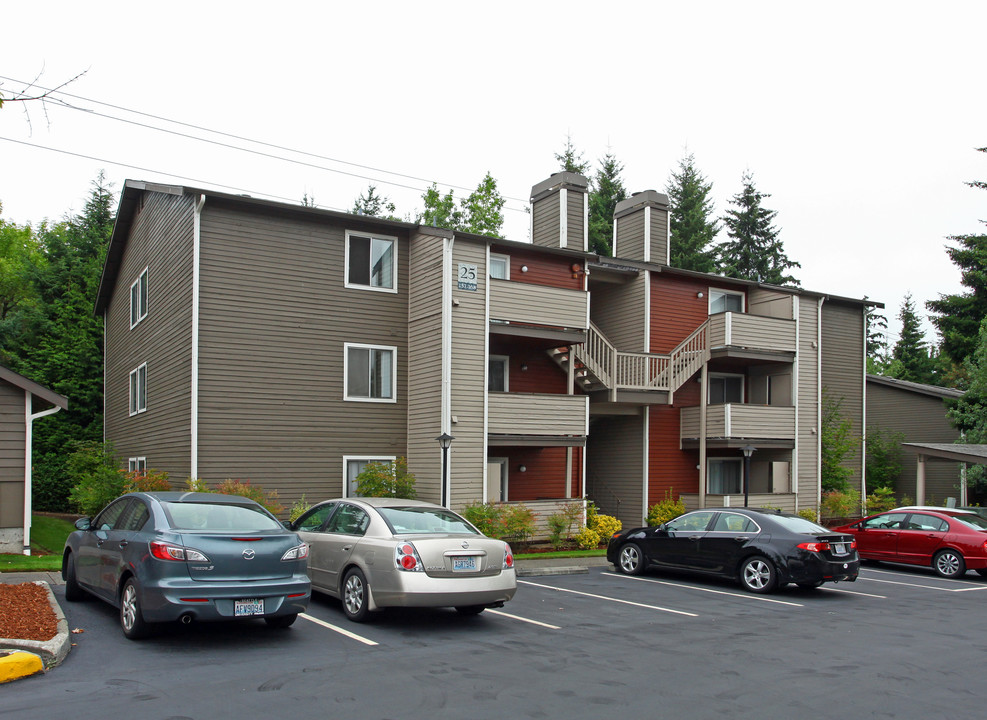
83 523
662 530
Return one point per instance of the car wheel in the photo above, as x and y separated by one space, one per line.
281 621
355 595
73 590
758 575
131 619
810 585
470 609
949 564
630 561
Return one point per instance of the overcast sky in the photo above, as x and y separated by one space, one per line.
860 119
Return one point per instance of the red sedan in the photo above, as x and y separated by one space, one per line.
951 541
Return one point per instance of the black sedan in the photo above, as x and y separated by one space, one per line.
763 549
169 556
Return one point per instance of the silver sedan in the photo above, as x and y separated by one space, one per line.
374 553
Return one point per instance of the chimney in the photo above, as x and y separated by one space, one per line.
560 212
640 228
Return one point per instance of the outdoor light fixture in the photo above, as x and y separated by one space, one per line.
524 367
445 440
747 450
522 468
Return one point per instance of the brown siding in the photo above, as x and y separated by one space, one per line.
659 236
575 220
545 222
551 270
615 459
806 482
922 419
274 318
843 371
161 240
619 312
630 237
670 468
12 439
544 475
676 309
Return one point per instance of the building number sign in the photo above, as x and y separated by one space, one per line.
467 277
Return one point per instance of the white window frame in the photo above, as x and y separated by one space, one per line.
347 459
138 291
394 261
138 389
507 372
743 387
137 464
346 373
507 265
722 291
717 461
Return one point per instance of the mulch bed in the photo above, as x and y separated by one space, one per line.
25 613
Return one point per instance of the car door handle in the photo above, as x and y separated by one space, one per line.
124 543
740 539
347 547
99 543
694 538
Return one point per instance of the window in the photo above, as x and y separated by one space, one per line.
371 262
349 520
497 373
726 389
696 521
500 266
371 373
725 477
136 464
315 519
353 465
725 301
138 390
138 299
733 523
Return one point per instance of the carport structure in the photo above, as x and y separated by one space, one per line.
967 454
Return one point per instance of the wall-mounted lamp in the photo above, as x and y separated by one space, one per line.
524 268
524 367
522 468
699 294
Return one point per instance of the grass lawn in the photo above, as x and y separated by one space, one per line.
600 552
47 539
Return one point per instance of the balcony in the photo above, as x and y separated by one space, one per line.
736 424
537 419
562 314
756 336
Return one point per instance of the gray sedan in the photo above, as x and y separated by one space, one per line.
169 556
374 553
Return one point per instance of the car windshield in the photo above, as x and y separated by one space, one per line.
423 520
974 521
799 525
216 516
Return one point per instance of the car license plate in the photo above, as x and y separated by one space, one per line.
465 563
248 607
839 549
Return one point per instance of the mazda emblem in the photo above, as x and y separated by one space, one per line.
248 554
465 544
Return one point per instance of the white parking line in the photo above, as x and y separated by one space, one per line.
533 622
925 587
746 596
855 592
604 597
340 630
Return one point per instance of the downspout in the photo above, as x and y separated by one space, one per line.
819 408
194 405
28 439
863 422
446 391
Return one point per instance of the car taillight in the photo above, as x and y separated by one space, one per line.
814 546
853 544
299 552
167 551
508 557
406 558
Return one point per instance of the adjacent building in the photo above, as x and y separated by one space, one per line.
290 346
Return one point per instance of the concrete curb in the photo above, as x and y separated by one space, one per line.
49 652
557 570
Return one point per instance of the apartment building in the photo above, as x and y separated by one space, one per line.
290 346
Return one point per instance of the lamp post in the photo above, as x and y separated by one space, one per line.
748 450
445 440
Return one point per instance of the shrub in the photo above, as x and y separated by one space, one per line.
664 510
298 509
485 516
256 493
196 485
883 458
384 479
561 523
605 526
881 500
145 481
556 530
840 504
95 477
809 514
518 524
587 539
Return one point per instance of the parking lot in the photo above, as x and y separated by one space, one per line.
896 643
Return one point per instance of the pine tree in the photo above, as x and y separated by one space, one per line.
910 356
374 205
607 190
957 317
691 218
754 251
571 160
877 341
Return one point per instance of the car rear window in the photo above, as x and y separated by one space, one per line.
430 521
216 516
799 525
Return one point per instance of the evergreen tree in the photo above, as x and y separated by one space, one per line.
754 251
606 191
969 413
374 205
691 217
957 317
910 356
571 160
877 341
58 342
482 211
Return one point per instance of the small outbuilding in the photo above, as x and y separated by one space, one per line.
22 401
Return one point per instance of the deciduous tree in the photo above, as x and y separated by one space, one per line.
482 211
